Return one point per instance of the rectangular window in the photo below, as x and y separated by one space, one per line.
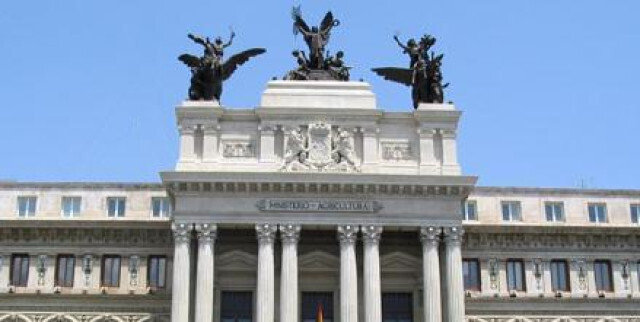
554 211
515 275
470 210
317 304
511 211
161 207
602 270
27 206
19 270
71 206
559 275
65 270
157 274
236 307
471 274
397 307
597 213
116 206
111 271
635 213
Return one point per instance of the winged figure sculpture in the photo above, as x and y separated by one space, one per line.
315 37
210 71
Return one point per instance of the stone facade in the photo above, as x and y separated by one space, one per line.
317 190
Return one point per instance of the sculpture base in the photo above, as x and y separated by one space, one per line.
318 94
320 75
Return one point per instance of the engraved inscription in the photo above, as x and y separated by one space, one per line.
295 205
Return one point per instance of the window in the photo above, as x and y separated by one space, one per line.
397 307
157 271
71 206
161 207
64 270
116 206
111 271
471 274
236 307
559 275
554 211
515 275
315 304
19 269
511 211
635 213
602 270
598 213
27 206
469 210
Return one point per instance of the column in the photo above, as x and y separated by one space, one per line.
430 237
347 236
372 291
455 286
187 142
181 282
290 235
265 289
205 272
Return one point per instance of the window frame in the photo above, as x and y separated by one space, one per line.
477 287
117 207
66 282
23 278
635 217
596 205
160 283
551 205
103 272
566 275
523 275
509 204
609 277
73 213
27 213
465 210
164 213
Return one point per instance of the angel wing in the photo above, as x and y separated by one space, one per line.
236 60
189 60
398 75
327 22
300 23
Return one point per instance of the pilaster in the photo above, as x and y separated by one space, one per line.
267 143
187 142
428 163
210 142
450 164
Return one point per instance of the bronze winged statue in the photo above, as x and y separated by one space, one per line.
424 75
210 71
316 37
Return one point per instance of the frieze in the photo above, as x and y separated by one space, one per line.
541 241
128 237
306 205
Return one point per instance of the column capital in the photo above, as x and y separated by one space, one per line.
430 235
347 234
426 132
453 235
187 128
207 233
181 232
290 233
448 133
371 234
266 233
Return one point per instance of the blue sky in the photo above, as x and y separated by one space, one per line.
549 88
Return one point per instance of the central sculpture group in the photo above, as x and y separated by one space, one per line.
209 71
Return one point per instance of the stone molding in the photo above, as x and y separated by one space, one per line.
290 233
83 316
266 233
348 234
557 318
121 237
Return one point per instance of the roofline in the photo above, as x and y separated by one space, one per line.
83 185
555 191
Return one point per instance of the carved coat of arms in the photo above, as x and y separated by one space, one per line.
319 148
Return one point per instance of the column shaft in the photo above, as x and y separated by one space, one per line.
372 288
455 286
265 289
205 272
348 273
430 237
181 276
289 275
